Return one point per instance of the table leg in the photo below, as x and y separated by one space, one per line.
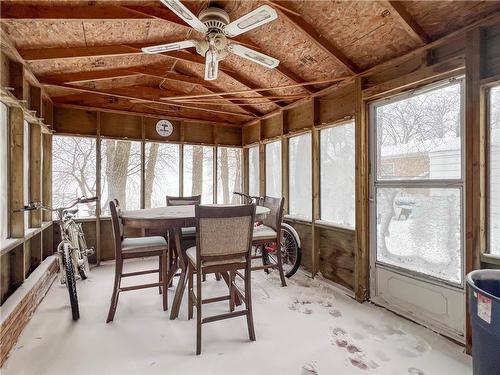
179 292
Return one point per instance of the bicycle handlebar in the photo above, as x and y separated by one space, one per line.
36 205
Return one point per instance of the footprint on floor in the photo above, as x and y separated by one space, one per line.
309 369
359 363
341 343
353 348
335 313
415 371
338 331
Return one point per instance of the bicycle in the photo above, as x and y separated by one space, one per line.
72 251
291 252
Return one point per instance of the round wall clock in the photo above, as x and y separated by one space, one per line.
164 128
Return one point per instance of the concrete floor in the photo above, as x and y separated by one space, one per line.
306 328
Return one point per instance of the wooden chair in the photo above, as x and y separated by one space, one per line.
138 247
270 232
223 244
185 201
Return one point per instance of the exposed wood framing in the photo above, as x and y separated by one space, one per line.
314 36
35 177
16 174
410 25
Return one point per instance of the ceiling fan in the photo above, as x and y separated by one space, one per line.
215 24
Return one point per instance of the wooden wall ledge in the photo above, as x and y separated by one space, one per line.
11 243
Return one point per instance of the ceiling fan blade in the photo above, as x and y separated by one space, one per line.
255 18
169 47
250 54
178 8
211 65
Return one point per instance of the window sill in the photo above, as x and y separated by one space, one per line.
298 219
330 225
490 259
8 244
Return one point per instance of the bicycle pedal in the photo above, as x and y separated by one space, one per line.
90 251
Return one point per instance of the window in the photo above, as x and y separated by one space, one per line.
337 166
494 170
120 174
198 172
4 146
418 216
73 172
273 169
253 171
300 191
26 171
161 173
228 174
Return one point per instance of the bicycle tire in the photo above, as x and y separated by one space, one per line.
290 239
70 282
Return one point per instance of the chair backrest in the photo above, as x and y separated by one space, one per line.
224 233
274 218
117 225
183 201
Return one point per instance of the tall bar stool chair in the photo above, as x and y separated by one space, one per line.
137 247
223 244
270 232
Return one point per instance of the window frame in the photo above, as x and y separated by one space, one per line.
322 221
458 183
295 216
494 258
7 172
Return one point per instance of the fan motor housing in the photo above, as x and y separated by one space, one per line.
214 18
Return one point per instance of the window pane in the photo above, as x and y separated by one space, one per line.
4 146
299 149
228 174
253 171
26 170
273 169
337 174
161 173
198 172
494 171
120 174
419 137
419 229
73 172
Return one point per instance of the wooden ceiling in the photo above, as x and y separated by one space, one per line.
87 53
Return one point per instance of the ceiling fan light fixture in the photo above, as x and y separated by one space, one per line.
211 65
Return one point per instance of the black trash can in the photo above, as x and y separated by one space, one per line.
484 310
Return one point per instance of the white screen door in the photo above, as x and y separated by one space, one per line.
417 206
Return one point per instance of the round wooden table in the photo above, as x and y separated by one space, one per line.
173 219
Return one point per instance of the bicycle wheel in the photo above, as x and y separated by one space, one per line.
291 253
70 281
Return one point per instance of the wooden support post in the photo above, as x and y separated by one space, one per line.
361 266
35 170
98 250
47 175
16 175
285 173
475 161
143 164
35 103
245 170
16 71
262 169
315 176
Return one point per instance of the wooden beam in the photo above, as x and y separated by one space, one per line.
408 22
314 36
140 99
16 174
361 256
475 185
35 173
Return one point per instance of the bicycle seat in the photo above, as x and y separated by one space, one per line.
70 212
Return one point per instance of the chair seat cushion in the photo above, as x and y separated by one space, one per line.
144 244
263 232
191 253
188 232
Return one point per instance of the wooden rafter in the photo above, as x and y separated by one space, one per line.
314 36
145 99
408 22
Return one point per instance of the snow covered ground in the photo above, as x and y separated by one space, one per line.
307 328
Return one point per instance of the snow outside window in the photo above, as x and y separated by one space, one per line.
337 174
120 174
228 174
419 205
273 169
253 171
300 192
4 146
494 170
161 173
198 172
73 172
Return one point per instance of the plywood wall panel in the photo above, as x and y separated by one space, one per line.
336 257
251 133
229 136
299 117
122 126
198 133
335 107
272 126
75 121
